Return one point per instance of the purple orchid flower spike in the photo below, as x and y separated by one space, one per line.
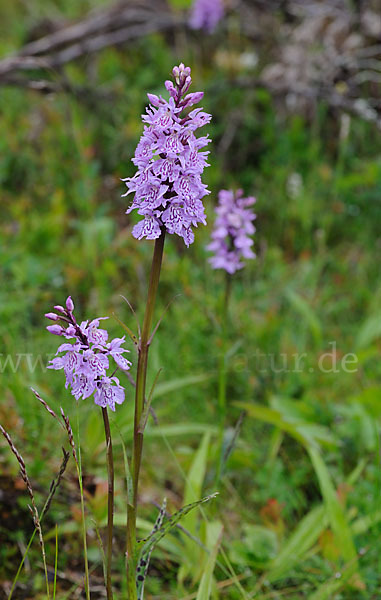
86 361
206 14
233 228
167 186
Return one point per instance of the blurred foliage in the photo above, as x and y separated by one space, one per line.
304 473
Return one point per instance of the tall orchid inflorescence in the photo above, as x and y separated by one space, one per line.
231 241
167 185
86 361
206 14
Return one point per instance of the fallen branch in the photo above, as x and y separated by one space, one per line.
109 28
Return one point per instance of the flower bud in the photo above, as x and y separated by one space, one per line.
176 74
52 316
155 100
60 309
186 84
184 71
69 332
69 304
55 329
171 88
191 99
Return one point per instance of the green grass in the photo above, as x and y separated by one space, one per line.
299 497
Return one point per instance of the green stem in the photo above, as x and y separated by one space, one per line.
44 563
222 373
141 376
43 511
55 566
21 564
87 578
78 464
110 507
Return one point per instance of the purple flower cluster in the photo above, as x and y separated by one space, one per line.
167 185
233 227
206 14
86 361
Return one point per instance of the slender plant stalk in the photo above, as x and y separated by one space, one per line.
87 578
141 377
78 464
53 489
222 372
110 501
33 509
55 566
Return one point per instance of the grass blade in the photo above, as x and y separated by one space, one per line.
55 566
304 309
205 587
179 383
335 511
299 543
193 490
77 460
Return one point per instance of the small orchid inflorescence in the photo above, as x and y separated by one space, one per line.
231 241
206 14
167 186
85 363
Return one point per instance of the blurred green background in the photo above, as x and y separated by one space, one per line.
299 498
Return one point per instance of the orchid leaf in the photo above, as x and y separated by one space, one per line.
127 329
147 405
